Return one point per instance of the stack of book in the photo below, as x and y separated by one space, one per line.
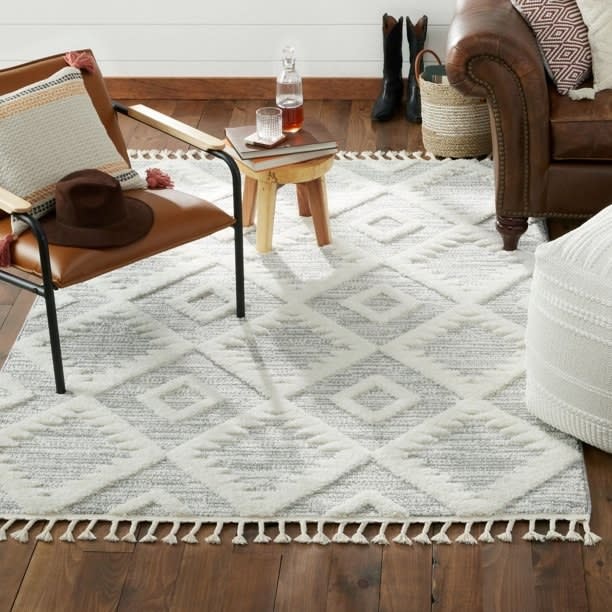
312 141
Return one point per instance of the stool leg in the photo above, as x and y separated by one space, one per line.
302 198
248 201
266 203
317 200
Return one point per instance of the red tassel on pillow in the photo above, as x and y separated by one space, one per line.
5 250
158 179
81 60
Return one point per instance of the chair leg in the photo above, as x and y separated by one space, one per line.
511 229
238 244
239 265
47 291
54 337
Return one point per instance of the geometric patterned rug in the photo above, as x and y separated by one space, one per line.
378 379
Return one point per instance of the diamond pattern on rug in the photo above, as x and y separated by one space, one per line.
259 354
477 482
55 458
444 264
181 398
388 226
380 304
461 192
374 399
93 360
448 349
278 455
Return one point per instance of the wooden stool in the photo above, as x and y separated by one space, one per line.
260 192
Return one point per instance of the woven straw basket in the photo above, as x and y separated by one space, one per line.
454 125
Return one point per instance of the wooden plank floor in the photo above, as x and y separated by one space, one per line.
100 576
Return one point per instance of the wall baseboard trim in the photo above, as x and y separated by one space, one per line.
237 88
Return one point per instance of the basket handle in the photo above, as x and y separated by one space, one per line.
417 61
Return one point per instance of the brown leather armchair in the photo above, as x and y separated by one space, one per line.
552 155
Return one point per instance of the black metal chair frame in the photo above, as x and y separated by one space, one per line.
46 289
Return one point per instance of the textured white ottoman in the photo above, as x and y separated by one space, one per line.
569 333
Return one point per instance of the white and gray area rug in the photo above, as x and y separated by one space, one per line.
379 379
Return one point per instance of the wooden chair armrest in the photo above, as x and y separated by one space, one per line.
11 203
171 126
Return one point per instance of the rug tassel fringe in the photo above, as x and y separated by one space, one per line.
358 537
320 537
423 538
5 528
68 535
590 538
486 536
572 535
45 535
553 533
506 536
466 537
303 538
87 533
261 537
239 538
23 535
282 537
170 537
112 536
532 535
150 535
340 537
190 538
402 536
441 537
130 536
380 537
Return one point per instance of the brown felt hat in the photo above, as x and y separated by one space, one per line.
92 211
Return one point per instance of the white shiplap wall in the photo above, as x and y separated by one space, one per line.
202 38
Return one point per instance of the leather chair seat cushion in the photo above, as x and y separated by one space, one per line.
178 218
581 129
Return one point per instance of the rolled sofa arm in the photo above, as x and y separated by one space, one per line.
492 53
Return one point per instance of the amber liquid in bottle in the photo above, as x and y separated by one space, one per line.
293 118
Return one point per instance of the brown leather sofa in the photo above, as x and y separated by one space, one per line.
552 155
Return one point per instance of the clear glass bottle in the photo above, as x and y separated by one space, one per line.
289 96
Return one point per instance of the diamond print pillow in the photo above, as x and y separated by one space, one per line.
49 129
562 37
597 16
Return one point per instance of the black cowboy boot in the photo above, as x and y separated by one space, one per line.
416 34
392 86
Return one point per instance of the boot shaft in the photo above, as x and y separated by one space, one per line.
392 46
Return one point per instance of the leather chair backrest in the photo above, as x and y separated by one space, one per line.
19 76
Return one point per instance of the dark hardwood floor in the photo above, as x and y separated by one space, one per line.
100 576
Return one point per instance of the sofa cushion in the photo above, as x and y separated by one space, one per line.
562 38
597 17
581 129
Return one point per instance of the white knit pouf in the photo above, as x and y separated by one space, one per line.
569 333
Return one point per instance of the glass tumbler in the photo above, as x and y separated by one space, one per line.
269 123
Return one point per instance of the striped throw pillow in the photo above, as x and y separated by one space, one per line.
49 129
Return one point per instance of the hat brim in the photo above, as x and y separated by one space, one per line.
136 224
